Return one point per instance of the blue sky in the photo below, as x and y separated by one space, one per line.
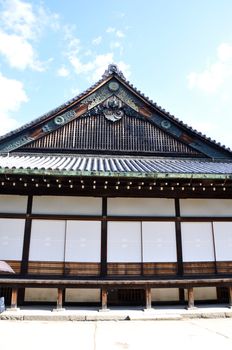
179 53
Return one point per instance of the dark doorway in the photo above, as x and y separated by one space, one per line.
126 297
6 293
223 294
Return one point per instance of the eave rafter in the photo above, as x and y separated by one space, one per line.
159 186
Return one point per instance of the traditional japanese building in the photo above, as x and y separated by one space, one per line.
111 199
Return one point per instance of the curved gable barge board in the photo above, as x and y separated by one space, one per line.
53 123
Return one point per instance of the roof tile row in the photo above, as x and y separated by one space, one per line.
117 165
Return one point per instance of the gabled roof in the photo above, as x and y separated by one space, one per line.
112 99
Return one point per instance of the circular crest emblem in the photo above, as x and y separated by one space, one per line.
113 86
59 120
165 124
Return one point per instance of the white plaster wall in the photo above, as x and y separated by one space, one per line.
13 204
47 240
223 240
197 241
203 293
159 242
82 295
67 205
164 294
124 242
141 206
11 239
40 294
206 207
83 241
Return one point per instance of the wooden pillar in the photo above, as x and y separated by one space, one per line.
59 298
190 299
59 301
104 300
14 298
148 298
178 239
104 238
230 297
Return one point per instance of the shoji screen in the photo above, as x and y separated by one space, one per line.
47 240
159 241
206 207
11 239
124 242
223 240
67 205
197 241
83 241
141 206
13 204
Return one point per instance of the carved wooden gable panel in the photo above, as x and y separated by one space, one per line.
113 127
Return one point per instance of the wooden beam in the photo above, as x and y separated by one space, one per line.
45 282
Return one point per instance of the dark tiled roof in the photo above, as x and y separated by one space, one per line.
115 166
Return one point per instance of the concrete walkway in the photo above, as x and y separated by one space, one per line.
117 313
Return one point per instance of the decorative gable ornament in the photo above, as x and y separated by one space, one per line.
112 109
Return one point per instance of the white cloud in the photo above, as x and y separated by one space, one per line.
73 43
79 66
224 52
119 34
101 62
115 45
110 30
19 52
97 41
215 75
18 17
88 63
63 72
12 96
75 91
21 24
27 20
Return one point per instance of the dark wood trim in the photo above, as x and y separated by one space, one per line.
66 217
178 240
27 237
12 216
104 239
205 218
181 296
214 249
116 218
